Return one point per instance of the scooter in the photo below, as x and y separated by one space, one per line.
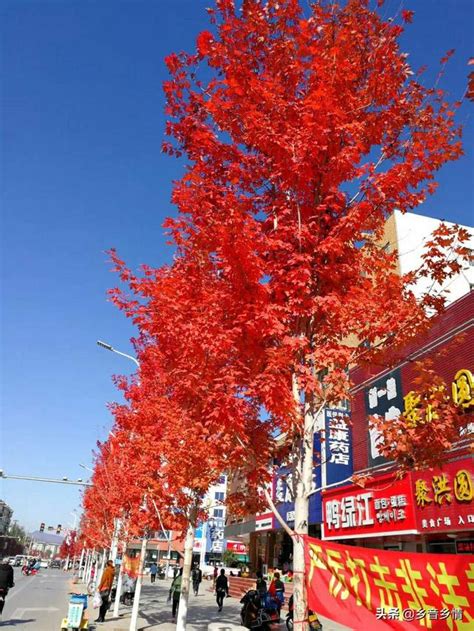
128 593
257 612
28 571
313 621
76 619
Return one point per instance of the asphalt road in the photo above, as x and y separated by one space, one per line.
37 603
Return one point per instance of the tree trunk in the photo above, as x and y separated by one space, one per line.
119 588
188 558
303 471
79 573
138 587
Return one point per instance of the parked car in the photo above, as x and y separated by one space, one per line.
55 564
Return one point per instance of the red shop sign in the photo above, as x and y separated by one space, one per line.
385 507
444 498
237 547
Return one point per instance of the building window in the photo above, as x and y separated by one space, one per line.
219 495
218 512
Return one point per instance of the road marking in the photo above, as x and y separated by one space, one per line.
19 613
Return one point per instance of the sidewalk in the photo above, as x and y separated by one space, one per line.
155 612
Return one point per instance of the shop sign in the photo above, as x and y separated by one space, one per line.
444 498
237 547
337 446
264 521
215 535
383 398
465 546
283 491
385 507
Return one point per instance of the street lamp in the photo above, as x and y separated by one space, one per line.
109 347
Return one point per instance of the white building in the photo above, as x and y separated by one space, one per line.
408 233
209 542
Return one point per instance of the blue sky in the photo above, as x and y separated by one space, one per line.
82 124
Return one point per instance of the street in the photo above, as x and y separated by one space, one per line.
38 603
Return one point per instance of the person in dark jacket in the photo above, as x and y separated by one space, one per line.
222 589
261 585
196 575
6 581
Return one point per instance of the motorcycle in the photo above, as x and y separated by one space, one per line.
259 612
161 574
313 621
28 571
128 593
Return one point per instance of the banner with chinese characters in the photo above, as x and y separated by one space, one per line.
444 498
384 507
365 588
337 446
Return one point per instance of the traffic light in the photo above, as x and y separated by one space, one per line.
58 529
42 526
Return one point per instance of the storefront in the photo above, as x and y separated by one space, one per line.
427 511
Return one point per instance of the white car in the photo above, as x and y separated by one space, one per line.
44 564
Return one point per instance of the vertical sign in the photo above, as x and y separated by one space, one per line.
383 398
215 534
283 490
337 452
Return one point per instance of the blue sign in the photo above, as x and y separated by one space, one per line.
283 492
215 535
337 450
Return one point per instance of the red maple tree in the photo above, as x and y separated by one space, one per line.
305 131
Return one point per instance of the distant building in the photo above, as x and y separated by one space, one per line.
408 234
45 544
5 517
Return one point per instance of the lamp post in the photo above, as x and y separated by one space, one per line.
109 347
117 526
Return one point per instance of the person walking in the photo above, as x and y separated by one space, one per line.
175 592
222 589
6 582
153 572
196 575
277 591
261 584
105 588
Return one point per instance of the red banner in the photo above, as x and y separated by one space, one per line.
378 590
131 565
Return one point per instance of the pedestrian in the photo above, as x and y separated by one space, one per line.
153 572
175 592
105 588
6 581
196 575
214 577
277 591
261 585
222 589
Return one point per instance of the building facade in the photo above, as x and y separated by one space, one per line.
425 511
